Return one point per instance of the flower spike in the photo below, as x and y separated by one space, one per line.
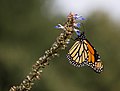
61 43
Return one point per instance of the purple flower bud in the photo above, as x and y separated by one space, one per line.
77 17
82 18
59 26
77 25
77 31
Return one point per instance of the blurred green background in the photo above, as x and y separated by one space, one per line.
26 32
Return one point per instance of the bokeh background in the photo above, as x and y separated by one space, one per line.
27 30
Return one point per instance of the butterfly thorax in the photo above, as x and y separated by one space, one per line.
81 37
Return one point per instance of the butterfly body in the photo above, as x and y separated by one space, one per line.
83 53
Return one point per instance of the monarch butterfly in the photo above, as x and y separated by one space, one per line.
83 53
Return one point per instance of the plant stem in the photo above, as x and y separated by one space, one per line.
61 43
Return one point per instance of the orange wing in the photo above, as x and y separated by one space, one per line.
93 58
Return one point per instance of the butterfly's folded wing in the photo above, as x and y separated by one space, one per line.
83 53
77 54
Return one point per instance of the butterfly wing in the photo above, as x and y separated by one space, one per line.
83 53
93 60
77 55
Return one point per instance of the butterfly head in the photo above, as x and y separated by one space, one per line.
81 36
